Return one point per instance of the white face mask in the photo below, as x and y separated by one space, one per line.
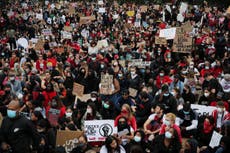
206 67
161 74
220 110
40 130
206 94
68 114
137 138
89 110
166 122
173 93
168 135
93 99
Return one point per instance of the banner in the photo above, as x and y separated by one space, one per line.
106 85
160 40
202 109
78 89
168 33
98 130
68 139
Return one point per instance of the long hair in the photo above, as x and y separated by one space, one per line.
108 141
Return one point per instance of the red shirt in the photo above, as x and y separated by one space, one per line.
162 80
132 122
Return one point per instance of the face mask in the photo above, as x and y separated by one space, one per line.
81 145
102 66
106 106
173 93
68 114
206 67
93 58
11 113
191 66
40 130
120 75
168 135
12 78
184 72
166 122
137 138
186 113
220 110
161 74
206 94
93 99
89 110
166 94
132 73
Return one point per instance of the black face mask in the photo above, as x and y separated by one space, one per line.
7 92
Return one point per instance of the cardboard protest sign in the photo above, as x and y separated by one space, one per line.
182 44
132 92
160 40
86 19
106 85
135 62
68 28
168 33
187 27
39 45
47 32
156 7
102 43
98 130
122 62
202 109
53 115
130 13
68 139
78 89
215 140
144 8
71 10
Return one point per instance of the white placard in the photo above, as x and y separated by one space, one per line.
101 10
100 2
102 43
202 109
66 35
215 140
168 33
23 42
182 10
39 16
47 32
98 130
115 16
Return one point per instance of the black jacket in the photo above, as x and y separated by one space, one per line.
20 134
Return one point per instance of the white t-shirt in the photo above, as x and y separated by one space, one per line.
104 149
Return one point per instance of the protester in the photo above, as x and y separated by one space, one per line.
112 145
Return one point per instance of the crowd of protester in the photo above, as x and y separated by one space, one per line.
159 119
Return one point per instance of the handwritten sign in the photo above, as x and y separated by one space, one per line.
86 19
130 13
215 140
78 89
66 35
47 32
168 33
71 10
102 43
143 8
102 10
160 40
98 130
106 85
68 139
68 28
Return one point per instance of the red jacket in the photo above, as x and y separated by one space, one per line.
132 122
226 115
